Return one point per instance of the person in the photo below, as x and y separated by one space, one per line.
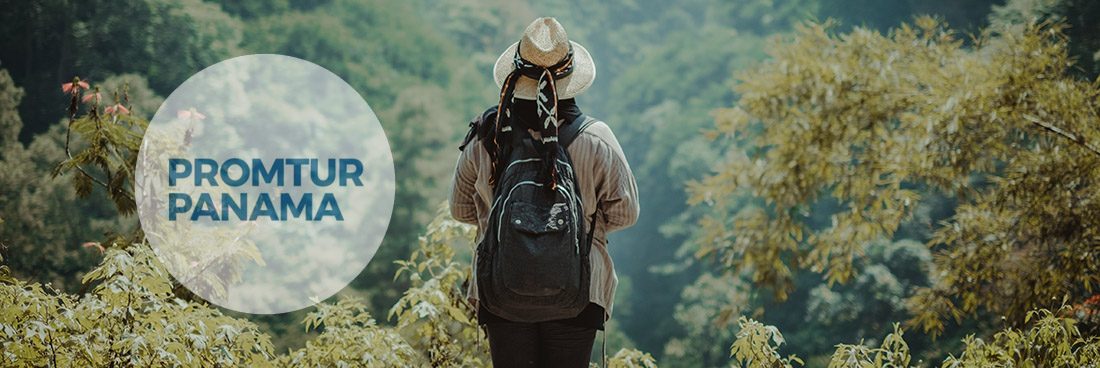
602 174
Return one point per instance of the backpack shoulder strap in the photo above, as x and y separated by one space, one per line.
479 127
572 130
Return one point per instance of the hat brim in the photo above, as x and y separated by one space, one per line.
584 72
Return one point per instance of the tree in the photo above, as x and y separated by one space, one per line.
861 308
50 41
10 123
707 309
1082 27
863 119
47 233
410 75
661 76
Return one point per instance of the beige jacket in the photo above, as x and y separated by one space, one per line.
602 174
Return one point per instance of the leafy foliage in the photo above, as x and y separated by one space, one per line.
757 345
1052 341
663 72
10 123
894 352
1079 16
867 304
434 313
631 358
130 318
707 309
165 41
417 82
47 233
111 137
863 119
136 314
349 337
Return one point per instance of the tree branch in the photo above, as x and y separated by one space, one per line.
1079 140
68 153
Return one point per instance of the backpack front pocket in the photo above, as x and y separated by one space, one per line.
537 250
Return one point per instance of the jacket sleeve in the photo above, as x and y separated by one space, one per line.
463 194
618 191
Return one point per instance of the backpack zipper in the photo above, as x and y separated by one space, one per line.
568 197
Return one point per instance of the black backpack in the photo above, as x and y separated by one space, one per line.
532 262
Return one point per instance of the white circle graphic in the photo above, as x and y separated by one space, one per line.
264 183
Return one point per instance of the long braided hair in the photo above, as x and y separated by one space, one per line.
546 108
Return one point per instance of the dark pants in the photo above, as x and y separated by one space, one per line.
544 344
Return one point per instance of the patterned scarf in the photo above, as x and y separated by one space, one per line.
546 109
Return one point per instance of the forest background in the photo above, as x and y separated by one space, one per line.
689 88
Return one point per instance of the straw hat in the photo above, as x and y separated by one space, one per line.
545 43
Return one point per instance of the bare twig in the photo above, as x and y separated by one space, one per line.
1077 139
53 350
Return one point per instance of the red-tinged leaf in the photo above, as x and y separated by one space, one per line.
89 96
95 245
123 110
67 87
183 114
83 84
109 109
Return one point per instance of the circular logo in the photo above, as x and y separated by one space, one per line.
264 183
